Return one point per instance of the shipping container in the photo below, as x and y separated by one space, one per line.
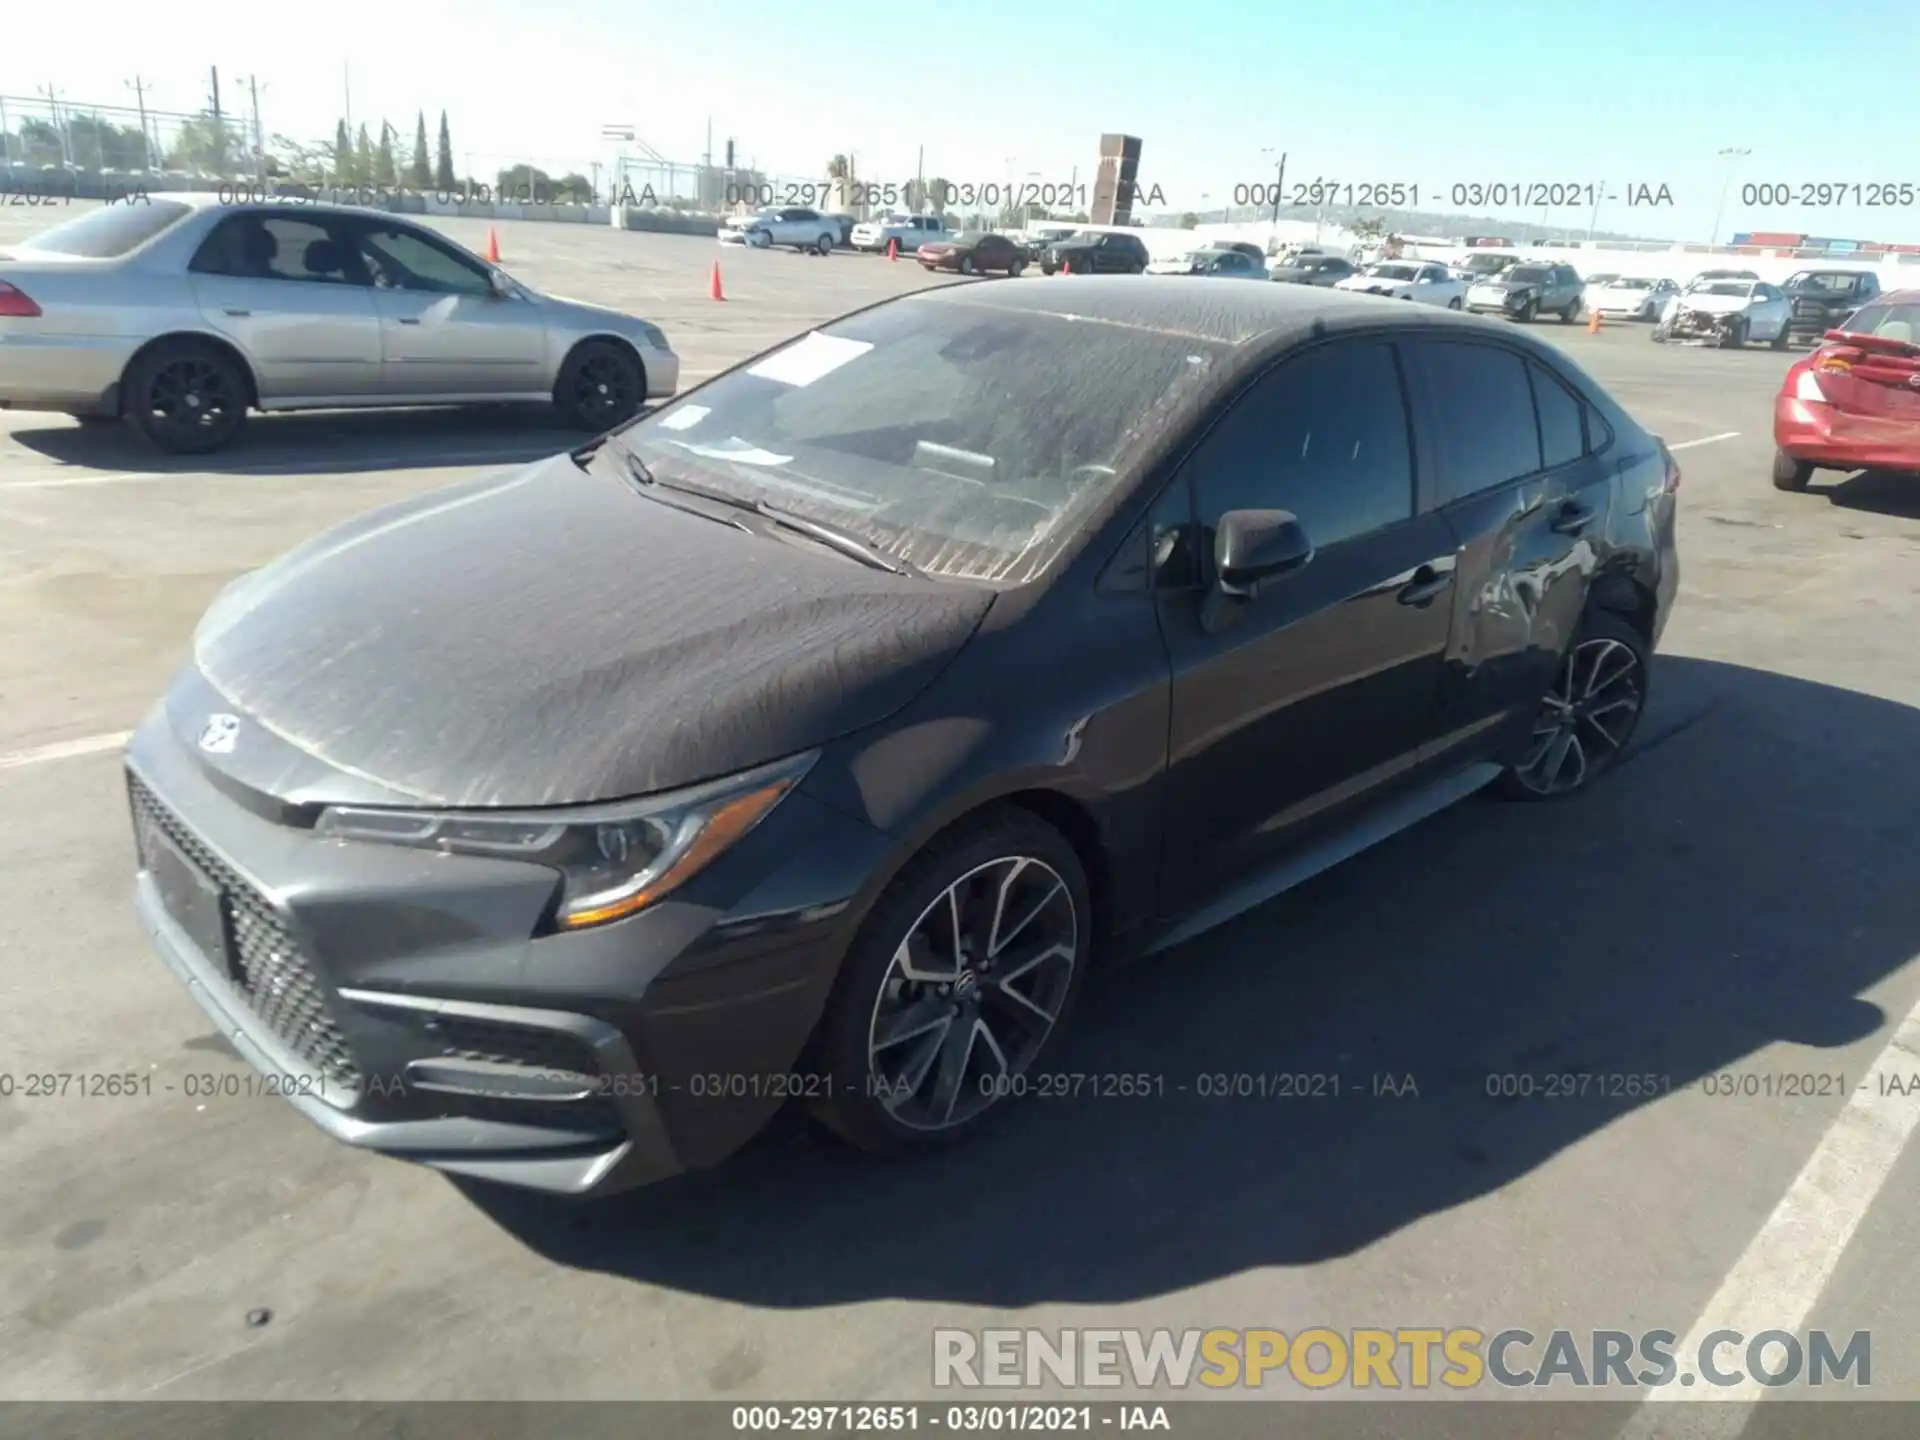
1779 237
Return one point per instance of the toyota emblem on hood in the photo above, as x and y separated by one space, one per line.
219 735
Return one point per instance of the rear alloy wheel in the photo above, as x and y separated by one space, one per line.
1736 336
823 246
965 971
1789 473
1780 340
967 267
187 397
1013 270
1529 311
600 386
1454 303
1588 714
1568 315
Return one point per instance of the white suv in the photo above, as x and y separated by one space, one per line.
793 225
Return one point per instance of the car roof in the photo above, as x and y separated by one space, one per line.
1908 296
1267 317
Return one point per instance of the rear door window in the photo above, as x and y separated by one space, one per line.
1483 424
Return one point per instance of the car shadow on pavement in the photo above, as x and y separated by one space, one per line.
331 442
1731 885
1881 492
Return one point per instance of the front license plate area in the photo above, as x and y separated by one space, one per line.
189 896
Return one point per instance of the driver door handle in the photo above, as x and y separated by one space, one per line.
409 319
1572 518
1426 586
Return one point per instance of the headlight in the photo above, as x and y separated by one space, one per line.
615 860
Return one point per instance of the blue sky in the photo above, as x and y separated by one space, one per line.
1431 93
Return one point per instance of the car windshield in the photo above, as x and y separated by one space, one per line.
1815 282
1723 287
110 231
1602 279
966 439
1394 272
971 237
1630 282
1488 264
1531 273
1899 321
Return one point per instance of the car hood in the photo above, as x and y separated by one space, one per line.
1373 282
552 637
746 222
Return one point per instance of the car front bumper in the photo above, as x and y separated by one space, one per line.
1493 305
1826 436
407 1003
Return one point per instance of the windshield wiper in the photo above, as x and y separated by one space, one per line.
641 475
846 543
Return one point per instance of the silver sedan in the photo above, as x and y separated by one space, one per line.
182 313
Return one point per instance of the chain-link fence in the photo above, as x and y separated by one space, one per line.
41 133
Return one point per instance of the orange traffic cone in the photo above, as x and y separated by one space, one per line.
493 247
1066 267
714 292
1593 322
893 247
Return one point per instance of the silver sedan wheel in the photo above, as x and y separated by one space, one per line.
1585 718
972 993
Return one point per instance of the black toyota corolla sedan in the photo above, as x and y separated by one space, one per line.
812 738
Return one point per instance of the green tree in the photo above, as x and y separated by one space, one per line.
1189 221
939 195
343 155
299 161
526 183
574 188
443 159
201 145
363 161
839 167
420 171
386 174
39 144
1368 229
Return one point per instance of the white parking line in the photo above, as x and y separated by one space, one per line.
1776 1282
1705 440
65 750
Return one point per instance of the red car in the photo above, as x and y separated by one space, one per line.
1854 403
973 253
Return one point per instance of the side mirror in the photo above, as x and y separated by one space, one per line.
1253 547
501 286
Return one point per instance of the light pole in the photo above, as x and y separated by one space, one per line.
1733 155
1279 182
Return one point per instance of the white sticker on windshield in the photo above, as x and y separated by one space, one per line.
738 451
686 417
809 359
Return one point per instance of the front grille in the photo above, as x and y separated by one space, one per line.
269 969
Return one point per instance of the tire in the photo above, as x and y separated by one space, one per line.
1779 341
967 267
1567 315
1454 303
1529 312
1789 473
760 240
1013 270
187 397
875 1099
823 246
1604 676
1736 336
1658 335
601 385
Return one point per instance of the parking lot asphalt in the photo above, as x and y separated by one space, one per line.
1735 901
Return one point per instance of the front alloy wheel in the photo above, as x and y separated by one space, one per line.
1588 714
963 973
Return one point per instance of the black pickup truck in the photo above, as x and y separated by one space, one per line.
1823 298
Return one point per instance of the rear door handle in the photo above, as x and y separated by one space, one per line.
239 314
1572 519
1425 587
409 319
